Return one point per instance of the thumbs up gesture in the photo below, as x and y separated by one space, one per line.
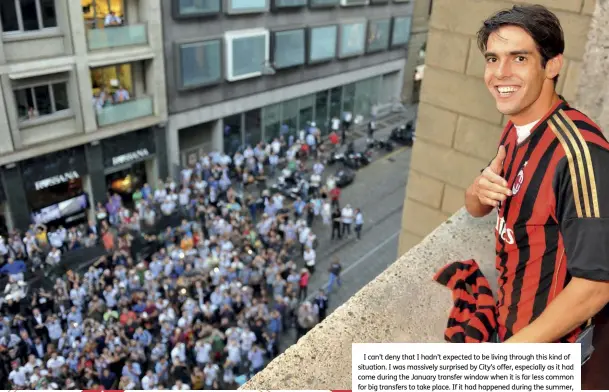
490 187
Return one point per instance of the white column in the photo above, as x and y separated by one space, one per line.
217 137
86 184
83 73
173 147
155 72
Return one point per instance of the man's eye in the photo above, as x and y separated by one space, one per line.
491 59
520 59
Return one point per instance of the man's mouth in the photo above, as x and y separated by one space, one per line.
506 91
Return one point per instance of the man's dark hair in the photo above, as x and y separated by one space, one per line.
539 22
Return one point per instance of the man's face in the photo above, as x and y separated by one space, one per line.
514 74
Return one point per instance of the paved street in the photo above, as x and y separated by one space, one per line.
379 191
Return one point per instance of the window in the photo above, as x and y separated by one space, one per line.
101 13
378 35
247 53
190 8
27 15
352 3
322 45
305 114
232 134
253 127
379 1
349 98
401 30
288 48
289 120
42 100
323 3
107 81
352 39
272 121
246 6
200 63
289 3
335 101
321 110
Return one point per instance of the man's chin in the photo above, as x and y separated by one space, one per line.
507 110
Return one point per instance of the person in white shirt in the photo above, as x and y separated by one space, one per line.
326 213
112 19
54 256
168 206
359 222
160 193
17 376
149 381
180 386
347 219
276 146
309 256
315 183
335 124
55 362
202 352
211 374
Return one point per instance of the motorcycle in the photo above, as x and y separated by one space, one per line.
403 134
356 159
344 177
386 144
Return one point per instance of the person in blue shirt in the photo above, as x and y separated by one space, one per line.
14 269
256 358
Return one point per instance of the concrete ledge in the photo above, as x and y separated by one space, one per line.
402 304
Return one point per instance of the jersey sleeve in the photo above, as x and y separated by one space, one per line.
581 189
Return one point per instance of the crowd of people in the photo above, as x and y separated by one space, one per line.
199 305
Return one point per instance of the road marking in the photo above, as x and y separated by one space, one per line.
370 252
396 152
358 262
384 158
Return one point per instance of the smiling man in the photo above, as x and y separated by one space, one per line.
548 184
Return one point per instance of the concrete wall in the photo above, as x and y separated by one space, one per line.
458 126
213 26
402 305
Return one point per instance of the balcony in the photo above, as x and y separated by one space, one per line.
402 304
126 111
117 36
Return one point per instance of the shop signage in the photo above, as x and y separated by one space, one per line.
56 180
130 157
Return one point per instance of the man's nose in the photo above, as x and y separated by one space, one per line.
503 69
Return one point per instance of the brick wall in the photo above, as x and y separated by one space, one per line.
458 126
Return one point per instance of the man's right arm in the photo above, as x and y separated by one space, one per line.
473 205
488 189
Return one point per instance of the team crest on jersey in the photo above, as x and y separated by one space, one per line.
519 180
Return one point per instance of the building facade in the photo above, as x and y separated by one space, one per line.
83 106
243 71
458 126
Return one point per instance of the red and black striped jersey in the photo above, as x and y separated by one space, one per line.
472 318
556 223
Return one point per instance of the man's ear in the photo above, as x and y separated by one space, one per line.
554 66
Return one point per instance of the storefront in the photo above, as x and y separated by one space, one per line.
129 162
54 186
362 98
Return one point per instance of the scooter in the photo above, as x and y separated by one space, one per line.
403 134
386 144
